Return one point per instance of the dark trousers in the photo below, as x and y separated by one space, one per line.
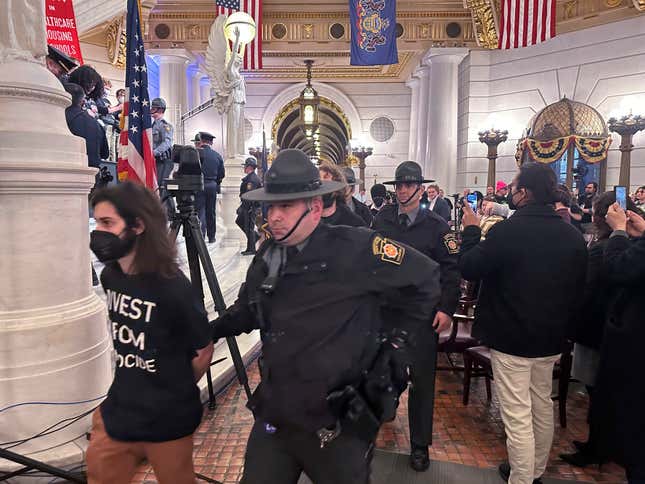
246 221
206 204
421 396
280 458
636 474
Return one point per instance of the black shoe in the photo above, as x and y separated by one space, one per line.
581 459
248 252
505 472
580 445
419 459
211 240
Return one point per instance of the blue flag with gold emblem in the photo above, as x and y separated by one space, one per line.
373 24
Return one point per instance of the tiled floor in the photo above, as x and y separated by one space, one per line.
471 435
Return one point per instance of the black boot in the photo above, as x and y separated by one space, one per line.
419 458
581 458
505 472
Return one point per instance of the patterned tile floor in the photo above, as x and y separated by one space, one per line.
471 435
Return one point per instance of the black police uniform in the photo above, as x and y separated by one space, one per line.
82 124
430 234
247 210
320 321
344 216
362 210
321 308
213 170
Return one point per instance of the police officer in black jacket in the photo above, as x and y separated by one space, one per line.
247 210
428 233
321 296
213 170
356 206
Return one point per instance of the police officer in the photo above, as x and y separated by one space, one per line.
355 205
162 135
196 141
247 210
213 170
428 233
320 296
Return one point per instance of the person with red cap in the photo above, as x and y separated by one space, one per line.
501 192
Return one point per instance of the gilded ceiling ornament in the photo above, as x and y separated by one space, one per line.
424 31
193 31
116 42
295 104
570 8
308 31
484 22
640 5
613 3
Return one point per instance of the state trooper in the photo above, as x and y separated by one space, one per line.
162 136
321 296
213 170
247 211
355 205
428 233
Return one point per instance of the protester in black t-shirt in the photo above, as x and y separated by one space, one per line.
162 342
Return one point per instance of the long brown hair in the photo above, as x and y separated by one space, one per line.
155 252
600 208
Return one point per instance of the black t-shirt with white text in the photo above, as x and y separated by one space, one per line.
156 325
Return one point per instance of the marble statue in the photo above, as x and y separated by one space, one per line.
223 67
20 37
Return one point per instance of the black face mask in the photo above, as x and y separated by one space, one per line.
109 247
328 199
509 200
378 201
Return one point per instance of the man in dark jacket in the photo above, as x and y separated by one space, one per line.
532 267
321 295
335 211
213 170
619 392
82 124
247 211
355 205
428 233
437 204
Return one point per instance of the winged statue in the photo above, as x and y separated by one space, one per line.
222 64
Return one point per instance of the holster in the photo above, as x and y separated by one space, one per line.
354 413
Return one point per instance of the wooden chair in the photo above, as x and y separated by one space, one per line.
477 364
458 338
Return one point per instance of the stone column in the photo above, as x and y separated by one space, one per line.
441 148
54 343
173 86
195 88
422 73
413 84
204 89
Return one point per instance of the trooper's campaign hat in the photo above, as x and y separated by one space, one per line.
205 136
350 176
408 172
196 139
60 57
158 103
251 161
292 176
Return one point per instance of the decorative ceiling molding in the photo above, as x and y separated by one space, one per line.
485 22
210 15
115 42
640 5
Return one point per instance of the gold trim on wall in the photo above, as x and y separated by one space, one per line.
115 42
484 22
295 104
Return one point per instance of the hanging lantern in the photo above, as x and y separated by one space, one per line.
309 104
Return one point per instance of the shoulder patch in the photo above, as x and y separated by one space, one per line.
389 250
451 243
167 127
249 186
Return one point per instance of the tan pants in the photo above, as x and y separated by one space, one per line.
112 461
523 388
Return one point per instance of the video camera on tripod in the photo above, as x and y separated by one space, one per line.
188 178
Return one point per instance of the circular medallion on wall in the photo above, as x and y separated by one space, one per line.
399 30
278 31
382 129
453 30
248 130
162 31
337 31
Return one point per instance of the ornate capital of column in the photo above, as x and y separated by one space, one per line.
444 55
172 56
412 82
422 71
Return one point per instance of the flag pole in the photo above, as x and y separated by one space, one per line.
264 152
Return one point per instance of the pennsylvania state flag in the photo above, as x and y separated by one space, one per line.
373 24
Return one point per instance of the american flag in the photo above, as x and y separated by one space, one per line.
136 160
253 51
526 22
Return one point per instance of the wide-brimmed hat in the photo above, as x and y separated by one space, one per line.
408 172
206 136
292 176
195 139
250 161
158 103
350 176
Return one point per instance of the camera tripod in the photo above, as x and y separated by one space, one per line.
185 217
